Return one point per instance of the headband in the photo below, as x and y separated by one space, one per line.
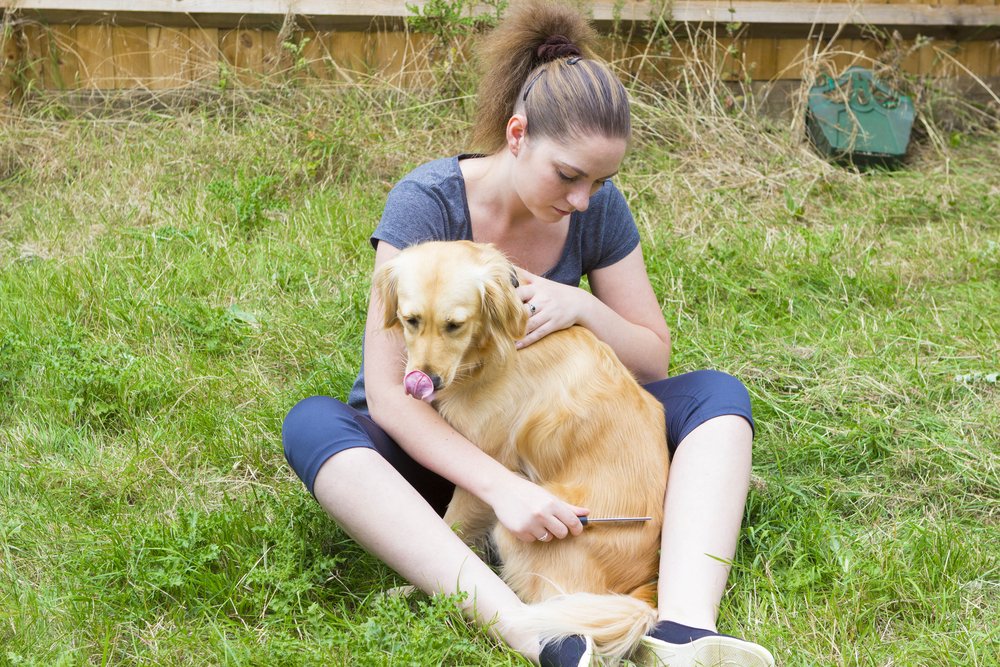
554 48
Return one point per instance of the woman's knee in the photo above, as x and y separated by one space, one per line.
301 422
723 388
314 430
693 398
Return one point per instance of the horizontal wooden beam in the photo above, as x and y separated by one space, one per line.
359 14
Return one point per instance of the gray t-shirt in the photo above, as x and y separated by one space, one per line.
429 204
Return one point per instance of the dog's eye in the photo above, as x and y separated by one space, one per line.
412 321
453 326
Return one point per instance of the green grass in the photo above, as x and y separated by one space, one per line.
171 284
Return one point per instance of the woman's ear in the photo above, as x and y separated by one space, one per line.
385 281
517 129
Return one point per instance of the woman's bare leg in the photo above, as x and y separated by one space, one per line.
706 494
373 504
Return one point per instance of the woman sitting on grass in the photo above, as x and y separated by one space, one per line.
555 122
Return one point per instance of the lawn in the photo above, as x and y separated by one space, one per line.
172 282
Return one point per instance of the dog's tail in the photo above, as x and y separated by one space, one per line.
616 622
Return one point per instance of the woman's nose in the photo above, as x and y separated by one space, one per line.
578 198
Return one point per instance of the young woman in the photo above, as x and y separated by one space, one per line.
555 124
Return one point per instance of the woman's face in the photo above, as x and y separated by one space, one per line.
554 178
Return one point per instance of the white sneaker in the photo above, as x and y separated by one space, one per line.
711 651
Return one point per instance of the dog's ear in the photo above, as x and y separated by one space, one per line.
501 304
385 281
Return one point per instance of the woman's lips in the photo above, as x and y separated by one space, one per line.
561 212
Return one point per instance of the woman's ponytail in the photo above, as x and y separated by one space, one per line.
540 60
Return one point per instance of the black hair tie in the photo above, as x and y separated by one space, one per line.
558 46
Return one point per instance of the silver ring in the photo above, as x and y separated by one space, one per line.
532 308
544 537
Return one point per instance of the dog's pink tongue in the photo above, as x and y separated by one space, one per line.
419 385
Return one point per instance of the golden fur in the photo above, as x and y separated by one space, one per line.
563 412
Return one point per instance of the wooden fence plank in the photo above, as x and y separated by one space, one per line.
389 49
270 57
278 59
839 56
32 55
628 56
313 53
975 57
418 60
348 53
204 55
316 50
932 63
724 56
97 68
10 59
130 54
791 54
168 54
62 64
909 62
244 51
867 51
760 58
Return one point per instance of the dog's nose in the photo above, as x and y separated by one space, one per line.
436 379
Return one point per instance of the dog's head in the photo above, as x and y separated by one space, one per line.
457 305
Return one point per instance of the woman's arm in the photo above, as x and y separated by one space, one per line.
622 311
522 507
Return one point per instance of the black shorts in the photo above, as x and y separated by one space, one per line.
319 427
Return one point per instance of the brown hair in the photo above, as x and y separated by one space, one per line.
560 98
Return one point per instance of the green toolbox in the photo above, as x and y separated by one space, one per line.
855 119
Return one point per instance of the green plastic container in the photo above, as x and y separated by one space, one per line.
858 120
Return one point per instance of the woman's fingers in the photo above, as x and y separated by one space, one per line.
526 277
570 516
567 522
535 514
533 335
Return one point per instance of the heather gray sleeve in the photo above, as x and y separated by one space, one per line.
413 213
607 230
621 236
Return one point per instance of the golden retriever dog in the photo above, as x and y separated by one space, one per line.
563 412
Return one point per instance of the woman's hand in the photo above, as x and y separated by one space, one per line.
532 513
551 306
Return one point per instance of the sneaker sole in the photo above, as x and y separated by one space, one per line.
715 651
588 655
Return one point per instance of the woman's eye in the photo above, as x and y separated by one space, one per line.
568 179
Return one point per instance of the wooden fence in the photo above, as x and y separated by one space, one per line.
155 45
